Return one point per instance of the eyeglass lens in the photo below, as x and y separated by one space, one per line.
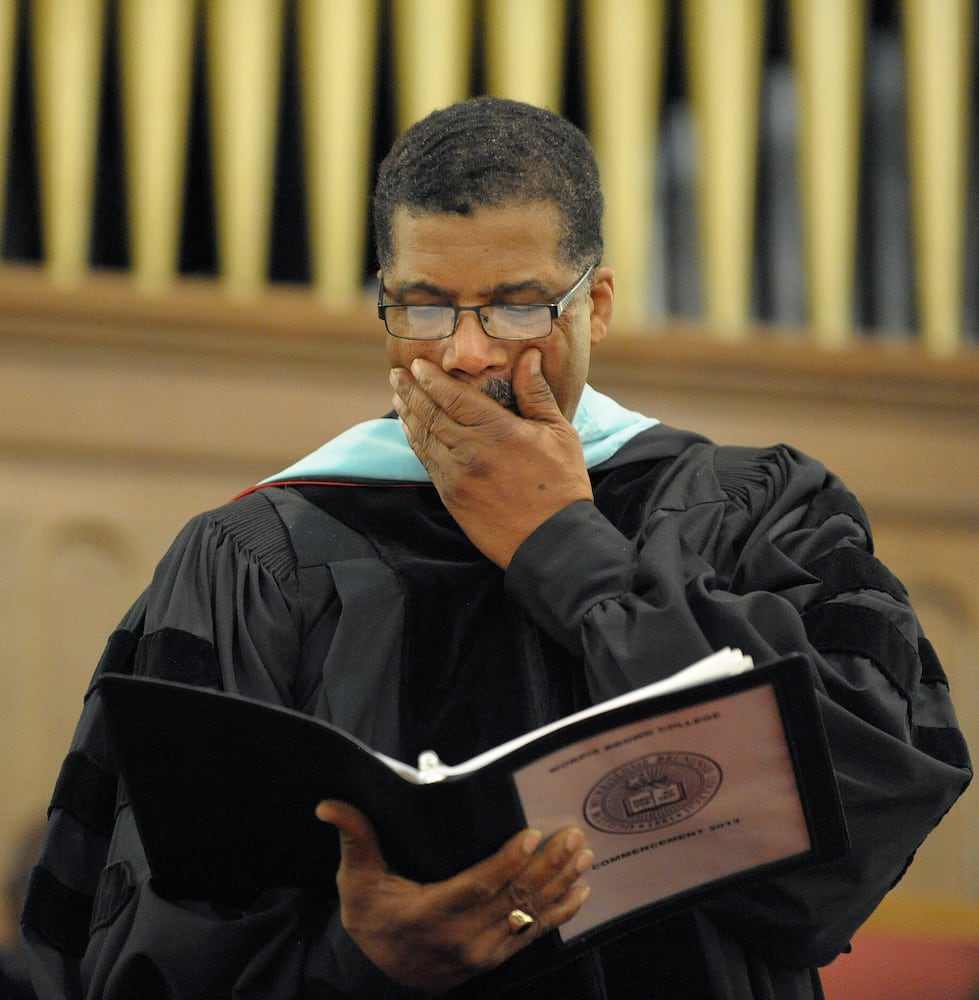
504 322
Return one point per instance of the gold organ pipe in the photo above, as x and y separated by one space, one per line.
526 54
827 39
433 51
67 62
244 52
8 23
525 44
624 60
155 51
337 51
937 37
724 53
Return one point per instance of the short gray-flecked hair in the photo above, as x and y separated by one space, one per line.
488 152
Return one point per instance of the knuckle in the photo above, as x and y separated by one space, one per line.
468 458
481 891
429 411
453 399
421 410
520 898
424 437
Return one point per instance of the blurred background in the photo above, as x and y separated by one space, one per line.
186 286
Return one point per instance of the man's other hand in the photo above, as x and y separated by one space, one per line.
499 474
434 936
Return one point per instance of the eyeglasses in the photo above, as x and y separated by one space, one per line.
500 320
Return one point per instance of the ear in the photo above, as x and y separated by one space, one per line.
602 300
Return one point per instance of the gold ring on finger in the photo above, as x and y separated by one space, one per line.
520 921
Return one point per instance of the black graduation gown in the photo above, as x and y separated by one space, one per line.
366 605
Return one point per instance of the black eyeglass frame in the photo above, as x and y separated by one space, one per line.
556 309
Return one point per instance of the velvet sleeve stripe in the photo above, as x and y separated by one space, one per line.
116 888
177 655
847 570
932 672
57 912
944 743
832 502
119 653
86 791
860 631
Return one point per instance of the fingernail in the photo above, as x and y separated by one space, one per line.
416 368
393 378
573 841
584 861
535 362
584 891
531 841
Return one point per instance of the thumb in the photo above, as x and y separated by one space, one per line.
534 396
359 848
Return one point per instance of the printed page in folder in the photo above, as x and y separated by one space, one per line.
673 802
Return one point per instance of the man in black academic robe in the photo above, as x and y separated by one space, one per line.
506 548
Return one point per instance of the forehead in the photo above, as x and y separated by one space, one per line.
497 240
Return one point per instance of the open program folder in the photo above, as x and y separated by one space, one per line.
716 775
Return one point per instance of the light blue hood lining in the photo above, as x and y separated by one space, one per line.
378 449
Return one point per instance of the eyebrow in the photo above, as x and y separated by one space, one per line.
504 288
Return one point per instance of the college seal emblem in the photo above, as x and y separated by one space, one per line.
651 792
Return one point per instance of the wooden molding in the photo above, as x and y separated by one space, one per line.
289 321
103 368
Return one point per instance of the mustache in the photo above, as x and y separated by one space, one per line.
501 390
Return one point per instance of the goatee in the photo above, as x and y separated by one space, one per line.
501 390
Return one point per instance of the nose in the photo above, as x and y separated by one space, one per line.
469 350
